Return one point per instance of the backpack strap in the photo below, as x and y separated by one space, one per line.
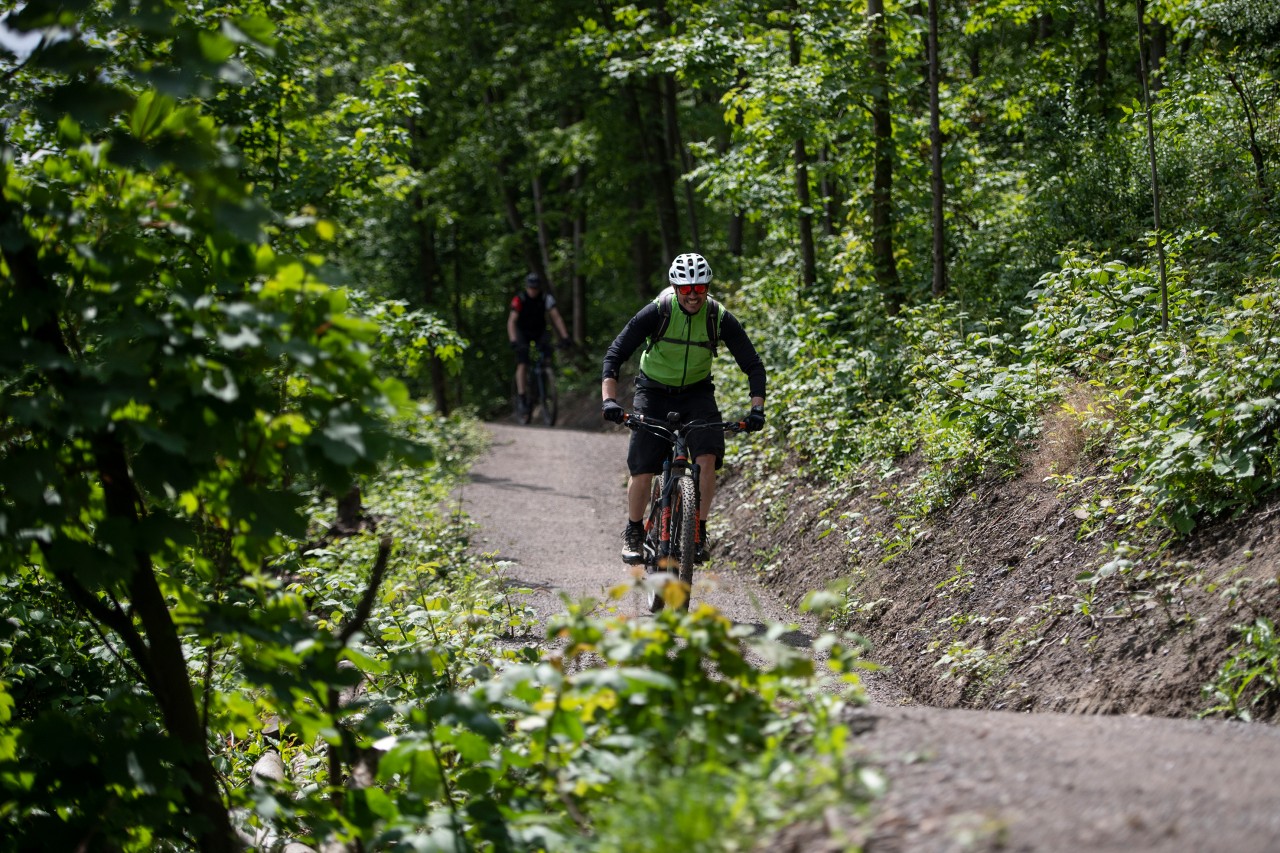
713 325
664 320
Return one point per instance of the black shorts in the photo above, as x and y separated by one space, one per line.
648 451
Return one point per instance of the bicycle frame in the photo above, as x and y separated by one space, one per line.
541 362
537 379
665 552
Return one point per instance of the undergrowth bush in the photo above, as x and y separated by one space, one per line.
416 704
1249 680
1189 414
486 740
931 381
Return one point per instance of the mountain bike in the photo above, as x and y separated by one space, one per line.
671 526
540 390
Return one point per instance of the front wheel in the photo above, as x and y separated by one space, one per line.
653 533
684 526
550 402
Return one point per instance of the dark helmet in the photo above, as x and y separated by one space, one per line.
533 280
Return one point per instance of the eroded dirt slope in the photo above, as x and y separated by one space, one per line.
986 607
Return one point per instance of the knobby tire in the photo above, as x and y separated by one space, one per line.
550 403
652 536
684 526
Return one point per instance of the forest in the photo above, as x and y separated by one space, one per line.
255 266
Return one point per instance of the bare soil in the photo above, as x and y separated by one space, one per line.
1010 717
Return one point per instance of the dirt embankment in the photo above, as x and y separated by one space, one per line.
997 601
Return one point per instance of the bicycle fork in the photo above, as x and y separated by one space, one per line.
668 487
664 523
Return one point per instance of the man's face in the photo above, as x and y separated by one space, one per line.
691 301
533 290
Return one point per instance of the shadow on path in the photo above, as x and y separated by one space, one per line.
795 639
512 485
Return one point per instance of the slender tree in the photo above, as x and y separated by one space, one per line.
804 223
652 135
884 261
937 184
1155 174
1104 47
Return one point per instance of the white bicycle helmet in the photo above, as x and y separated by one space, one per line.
690 268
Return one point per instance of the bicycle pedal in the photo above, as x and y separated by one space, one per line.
634 561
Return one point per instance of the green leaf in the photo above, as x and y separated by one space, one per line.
216 47
342 442
149 114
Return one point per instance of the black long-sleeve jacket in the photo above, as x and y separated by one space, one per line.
645 323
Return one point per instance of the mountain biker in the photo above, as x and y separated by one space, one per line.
675 376
526 322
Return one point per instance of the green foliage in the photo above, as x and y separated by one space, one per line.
481 740
1190 414
477 738
1249 681
230 235
964 400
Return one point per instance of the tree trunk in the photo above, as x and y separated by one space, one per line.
1159 45
429 269
1255 150
429 264
159 657
661 179
678 155
737 223
642 252
882 255
832 198
579 238
1155 174
511 203
935 148
544 242
351 518
455 306
736 219
1104 47
808 253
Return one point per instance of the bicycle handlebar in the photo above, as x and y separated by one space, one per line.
635 420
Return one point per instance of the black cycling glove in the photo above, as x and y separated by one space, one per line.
612 411
755 419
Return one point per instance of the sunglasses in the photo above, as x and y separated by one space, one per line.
686 289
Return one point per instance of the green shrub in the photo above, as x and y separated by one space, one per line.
1191 413
1250 678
